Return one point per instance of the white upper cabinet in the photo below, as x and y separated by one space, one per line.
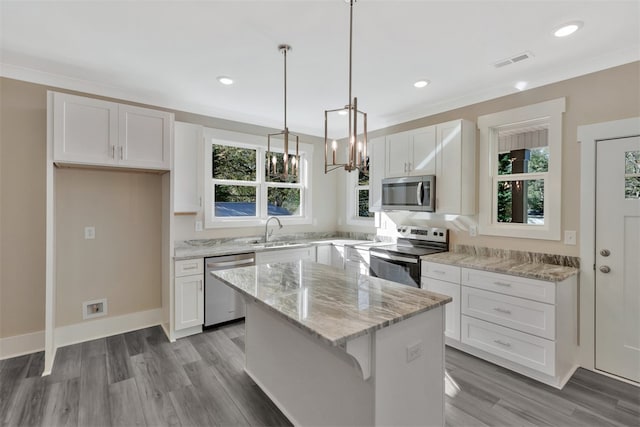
145 138
456 168
187 168
376 149
411 152
85 130
93 132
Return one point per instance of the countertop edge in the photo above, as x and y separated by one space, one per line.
513 271
342 340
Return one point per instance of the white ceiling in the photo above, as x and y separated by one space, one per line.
169 53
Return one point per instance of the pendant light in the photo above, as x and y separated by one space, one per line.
275 169
356 144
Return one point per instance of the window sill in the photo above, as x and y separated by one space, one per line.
254 222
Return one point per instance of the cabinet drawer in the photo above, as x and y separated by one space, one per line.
533 352
188 267
517 313
449 273
537 290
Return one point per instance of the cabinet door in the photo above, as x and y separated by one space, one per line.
286 255
376 148
452 310
448 177
423 145
145 138
398 153
323 254
189 294
187 169
337 256
85 130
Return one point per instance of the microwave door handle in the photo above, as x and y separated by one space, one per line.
419 193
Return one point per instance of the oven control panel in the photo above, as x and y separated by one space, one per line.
431 234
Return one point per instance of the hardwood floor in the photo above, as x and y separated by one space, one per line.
140 378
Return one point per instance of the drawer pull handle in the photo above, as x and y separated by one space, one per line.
502 310
502 343
502 284
191 267
438 271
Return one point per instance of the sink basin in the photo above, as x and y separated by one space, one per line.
273 245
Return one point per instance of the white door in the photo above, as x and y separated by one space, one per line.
423 143
397 154
189 293
618 257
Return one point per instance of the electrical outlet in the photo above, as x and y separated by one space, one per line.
570 237
95 308
414 351
198 225
89 233
473 231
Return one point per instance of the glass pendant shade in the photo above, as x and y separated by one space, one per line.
285 167
345 129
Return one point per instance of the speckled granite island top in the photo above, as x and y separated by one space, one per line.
327 302
513 266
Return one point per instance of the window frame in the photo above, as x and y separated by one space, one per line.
551 112
352 201
259 143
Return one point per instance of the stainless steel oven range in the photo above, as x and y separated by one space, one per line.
400 262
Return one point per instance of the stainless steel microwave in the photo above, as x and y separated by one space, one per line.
411 193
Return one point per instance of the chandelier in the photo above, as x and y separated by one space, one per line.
356 144
288 166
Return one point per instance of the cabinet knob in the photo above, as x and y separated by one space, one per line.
605 252
605 269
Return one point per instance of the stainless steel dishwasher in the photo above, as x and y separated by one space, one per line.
221 303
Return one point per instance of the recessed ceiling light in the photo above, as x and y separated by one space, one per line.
421 83
521 85
568 29
225 80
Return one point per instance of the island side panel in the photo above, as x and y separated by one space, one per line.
409 371
311 382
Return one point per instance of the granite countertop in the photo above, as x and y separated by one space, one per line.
327 302
514 266
206 248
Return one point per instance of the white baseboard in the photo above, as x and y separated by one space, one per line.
19 345
107 326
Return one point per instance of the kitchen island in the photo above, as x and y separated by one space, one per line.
331 348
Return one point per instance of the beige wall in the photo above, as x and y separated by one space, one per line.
599 97
22 207
123 262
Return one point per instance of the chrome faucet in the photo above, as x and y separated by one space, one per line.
266 227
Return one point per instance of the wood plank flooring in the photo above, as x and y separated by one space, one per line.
140 378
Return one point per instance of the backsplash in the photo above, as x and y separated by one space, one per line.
524 256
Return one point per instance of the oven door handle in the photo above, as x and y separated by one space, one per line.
394 257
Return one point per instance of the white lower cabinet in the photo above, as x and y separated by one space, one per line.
526 325
284 255
356 261
445 279
189 293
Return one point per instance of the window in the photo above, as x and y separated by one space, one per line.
520 171
358 199
240 188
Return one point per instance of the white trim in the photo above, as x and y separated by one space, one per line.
19 345
487 124
588 136
50 245
94 329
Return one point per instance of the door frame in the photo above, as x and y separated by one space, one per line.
588 137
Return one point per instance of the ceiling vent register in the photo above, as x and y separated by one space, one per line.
512 60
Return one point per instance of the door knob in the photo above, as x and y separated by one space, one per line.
605 252
605 269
